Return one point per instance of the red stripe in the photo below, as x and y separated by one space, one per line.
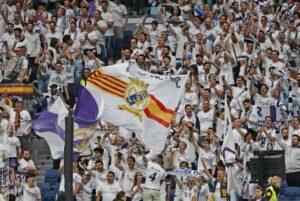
161 106
108 85
151 116
112 77
115 83
107 90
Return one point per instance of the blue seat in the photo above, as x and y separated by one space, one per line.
52 177
49 195
282 187
44 186
284 199
56 187
292 192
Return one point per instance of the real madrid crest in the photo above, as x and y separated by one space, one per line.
136 97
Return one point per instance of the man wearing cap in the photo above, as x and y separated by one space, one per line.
50 97
21 120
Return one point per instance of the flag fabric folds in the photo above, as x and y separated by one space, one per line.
228 150
141 102
51 124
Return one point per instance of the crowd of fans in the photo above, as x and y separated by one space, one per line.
247 50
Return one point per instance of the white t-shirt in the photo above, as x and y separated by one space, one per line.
57 78
263 101
98 178
238 138
208 158
2 153
154 174
76 179
12 144
206 120
202 193
87 45
31 194
3 130
227 71
265 143
128 179
24 163
109 191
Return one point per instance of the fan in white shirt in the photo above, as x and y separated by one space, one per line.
267 136
128 173
3 128
86 188
26 164
137 189
154 174
13 144
109 189
30 191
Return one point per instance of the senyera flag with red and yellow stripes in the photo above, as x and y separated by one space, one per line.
117 87
137 100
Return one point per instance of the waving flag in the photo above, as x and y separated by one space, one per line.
228 150
51 124
137 100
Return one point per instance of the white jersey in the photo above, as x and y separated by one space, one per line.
154 174
31 194
206 120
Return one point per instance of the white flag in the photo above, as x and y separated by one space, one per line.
139 101
228 150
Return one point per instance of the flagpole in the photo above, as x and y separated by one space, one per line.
68 155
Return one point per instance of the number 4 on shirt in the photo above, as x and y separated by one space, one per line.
152 177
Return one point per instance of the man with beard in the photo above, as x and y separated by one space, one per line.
249 117
26 164
292 160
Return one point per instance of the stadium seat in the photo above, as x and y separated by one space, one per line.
284 199
44 186
52 177
292 191
56 187
49 196
282 187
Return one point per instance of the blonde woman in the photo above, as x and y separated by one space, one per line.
272 192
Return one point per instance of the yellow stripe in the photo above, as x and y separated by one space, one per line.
103 89
16 90
109 87
109 84
156 111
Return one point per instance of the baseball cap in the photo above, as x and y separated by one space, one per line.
53 86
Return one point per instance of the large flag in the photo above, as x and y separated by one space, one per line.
139 101
51 124
228 150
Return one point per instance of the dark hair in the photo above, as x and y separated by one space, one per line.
131 158
119 196
269 117
98 149
18 29
66 38
111 172
99 161
30 175
179 11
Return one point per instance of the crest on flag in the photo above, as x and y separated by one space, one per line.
136 96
